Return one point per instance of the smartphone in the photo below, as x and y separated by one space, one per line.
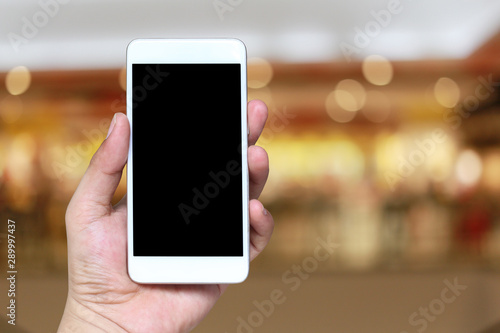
187 172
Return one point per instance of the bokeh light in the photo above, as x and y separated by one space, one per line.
335 112
447 92
18 80
260 73
350 95
469 167
491 166
20 157
377 70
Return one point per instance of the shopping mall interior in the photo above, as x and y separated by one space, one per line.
383 144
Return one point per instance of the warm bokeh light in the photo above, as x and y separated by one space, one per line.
468 168
335 112
377 70
439 165
260 73
18 80
19 164
350 95
388 147
447 92
491 174
378 106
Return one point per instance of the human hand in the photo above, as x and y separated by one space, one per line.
101 295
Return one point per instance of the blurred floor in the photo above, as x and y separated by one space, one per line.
372 302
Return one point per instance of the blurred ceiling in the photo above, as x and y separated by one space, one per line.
75 34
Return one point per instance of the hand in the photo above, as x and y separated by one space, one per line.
101 296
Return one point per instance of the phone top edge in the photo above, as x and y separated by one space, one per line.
139 41
188 39
222 50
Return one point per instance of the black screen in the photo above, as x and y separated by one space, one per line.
186 142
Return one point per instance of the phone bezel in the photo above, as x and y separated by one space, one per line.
180 270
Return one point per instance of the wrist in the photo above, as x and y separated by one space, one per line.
79 318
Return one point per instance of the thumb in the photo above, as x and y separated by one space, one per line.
92 198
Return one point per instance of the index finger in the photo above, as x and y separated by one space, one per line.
257 116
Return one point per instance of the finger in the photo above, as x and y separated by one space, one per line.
95 191
258 170
261 227
257 116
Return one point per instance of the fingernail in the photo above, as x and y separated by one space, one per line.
264 211
111 126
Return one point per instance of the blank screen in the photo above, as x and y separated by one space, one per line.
186 141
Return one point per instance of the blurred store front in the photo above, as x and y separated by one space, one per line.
397 161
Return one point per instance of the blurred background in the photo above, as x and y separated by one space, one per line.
383 138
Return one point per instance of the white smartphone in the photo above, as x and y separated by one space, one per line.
187 172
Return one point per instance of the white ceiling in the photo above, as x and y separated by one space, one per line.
95 33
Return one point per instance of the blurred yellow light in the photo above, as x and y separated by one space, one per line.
468 168
491 176
260 73
18 80
378 106
377 70
335 111
21 154
122 78
388 147
440 164
447 92
350 95
347 160
11 108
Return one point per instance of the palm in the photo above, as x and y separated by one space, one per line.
101 294
136 307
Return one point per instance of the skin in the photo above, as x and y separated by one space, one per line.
101 296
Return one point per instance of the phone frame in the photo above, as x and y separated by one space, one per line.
184 270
